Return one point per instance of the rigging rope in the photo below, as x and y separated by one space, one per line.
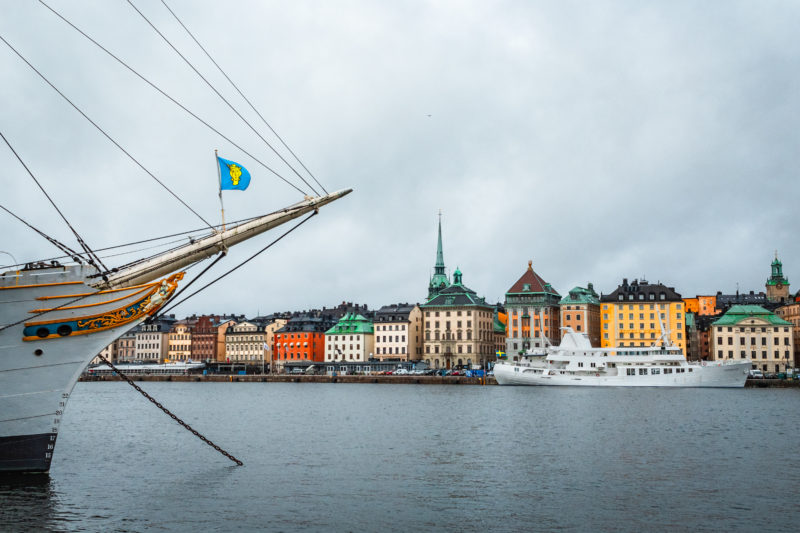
264 249
211 86
183 289
91 256
244 97
101 130
168 412
63 247
174 101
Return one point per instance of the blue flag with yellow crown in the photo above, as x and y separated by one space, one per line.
233 176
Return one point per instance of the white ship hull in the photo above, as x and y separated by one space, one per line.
730 375
61 317
38 372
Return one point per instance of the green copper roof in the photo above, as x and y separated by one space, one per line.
690 320
737 313
350 324
581 295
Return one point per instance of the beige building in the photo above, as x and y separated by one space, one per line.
221 348
152 340
398 332
459 327
752 332
245 342
180 341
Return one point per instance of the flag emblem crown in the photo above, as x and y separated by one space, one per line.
233 176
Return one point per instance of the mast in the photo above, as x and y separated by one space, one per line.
205 247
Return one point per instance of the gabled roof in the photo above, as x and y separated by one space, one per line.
531 282
456 295
737 313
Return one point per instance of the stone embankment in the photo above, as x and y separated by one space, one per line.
422 380
302 378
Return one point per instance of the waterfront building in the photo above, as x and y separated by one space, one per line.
791 313
533 311
580 310
398 332
777 285
630 315
126 346
180 341
302 339
152 339
245 342
351 339
459 327
204 338
109 352
225 323
272 323
752 332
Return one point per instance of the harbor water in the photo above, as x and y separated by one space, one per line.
382 457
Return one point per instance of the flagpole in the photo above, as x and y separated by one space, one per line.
219 176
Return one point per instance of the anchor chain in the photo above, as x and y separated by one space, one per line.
168 412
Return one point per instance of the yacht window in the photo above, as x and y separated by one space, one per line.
642 371
656 371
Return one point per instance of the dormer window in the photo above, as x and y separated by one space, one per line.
526 286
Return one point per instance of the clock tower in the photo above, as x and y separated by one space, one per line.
777 284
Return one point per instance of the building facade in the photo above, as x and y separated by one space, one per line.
754 333
245 343
351 339
580 310
126 346
302 339
180 341
398 332
152 340
459 327
534 317
635 313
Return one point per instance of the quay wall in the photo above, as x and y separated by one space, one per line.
302 378
421 380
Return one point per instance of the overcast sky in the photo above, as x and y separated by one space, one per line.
602 140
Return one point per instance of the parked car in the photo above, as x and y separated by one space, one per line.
756 373
401 372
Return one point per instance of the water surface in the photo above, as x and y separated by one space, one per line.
379 457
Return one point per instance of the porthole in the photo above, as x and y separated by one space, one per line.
64 330
37 352
42 332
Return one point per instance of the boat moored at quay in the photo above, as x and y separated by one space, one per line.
576 363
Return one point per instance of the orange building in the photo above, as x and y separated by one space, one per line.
580 310
701 305
302 340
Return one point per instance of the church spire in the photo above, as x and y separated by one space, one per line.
439 268
439 280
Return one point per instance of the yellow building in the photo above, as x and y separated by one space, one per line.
630 315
